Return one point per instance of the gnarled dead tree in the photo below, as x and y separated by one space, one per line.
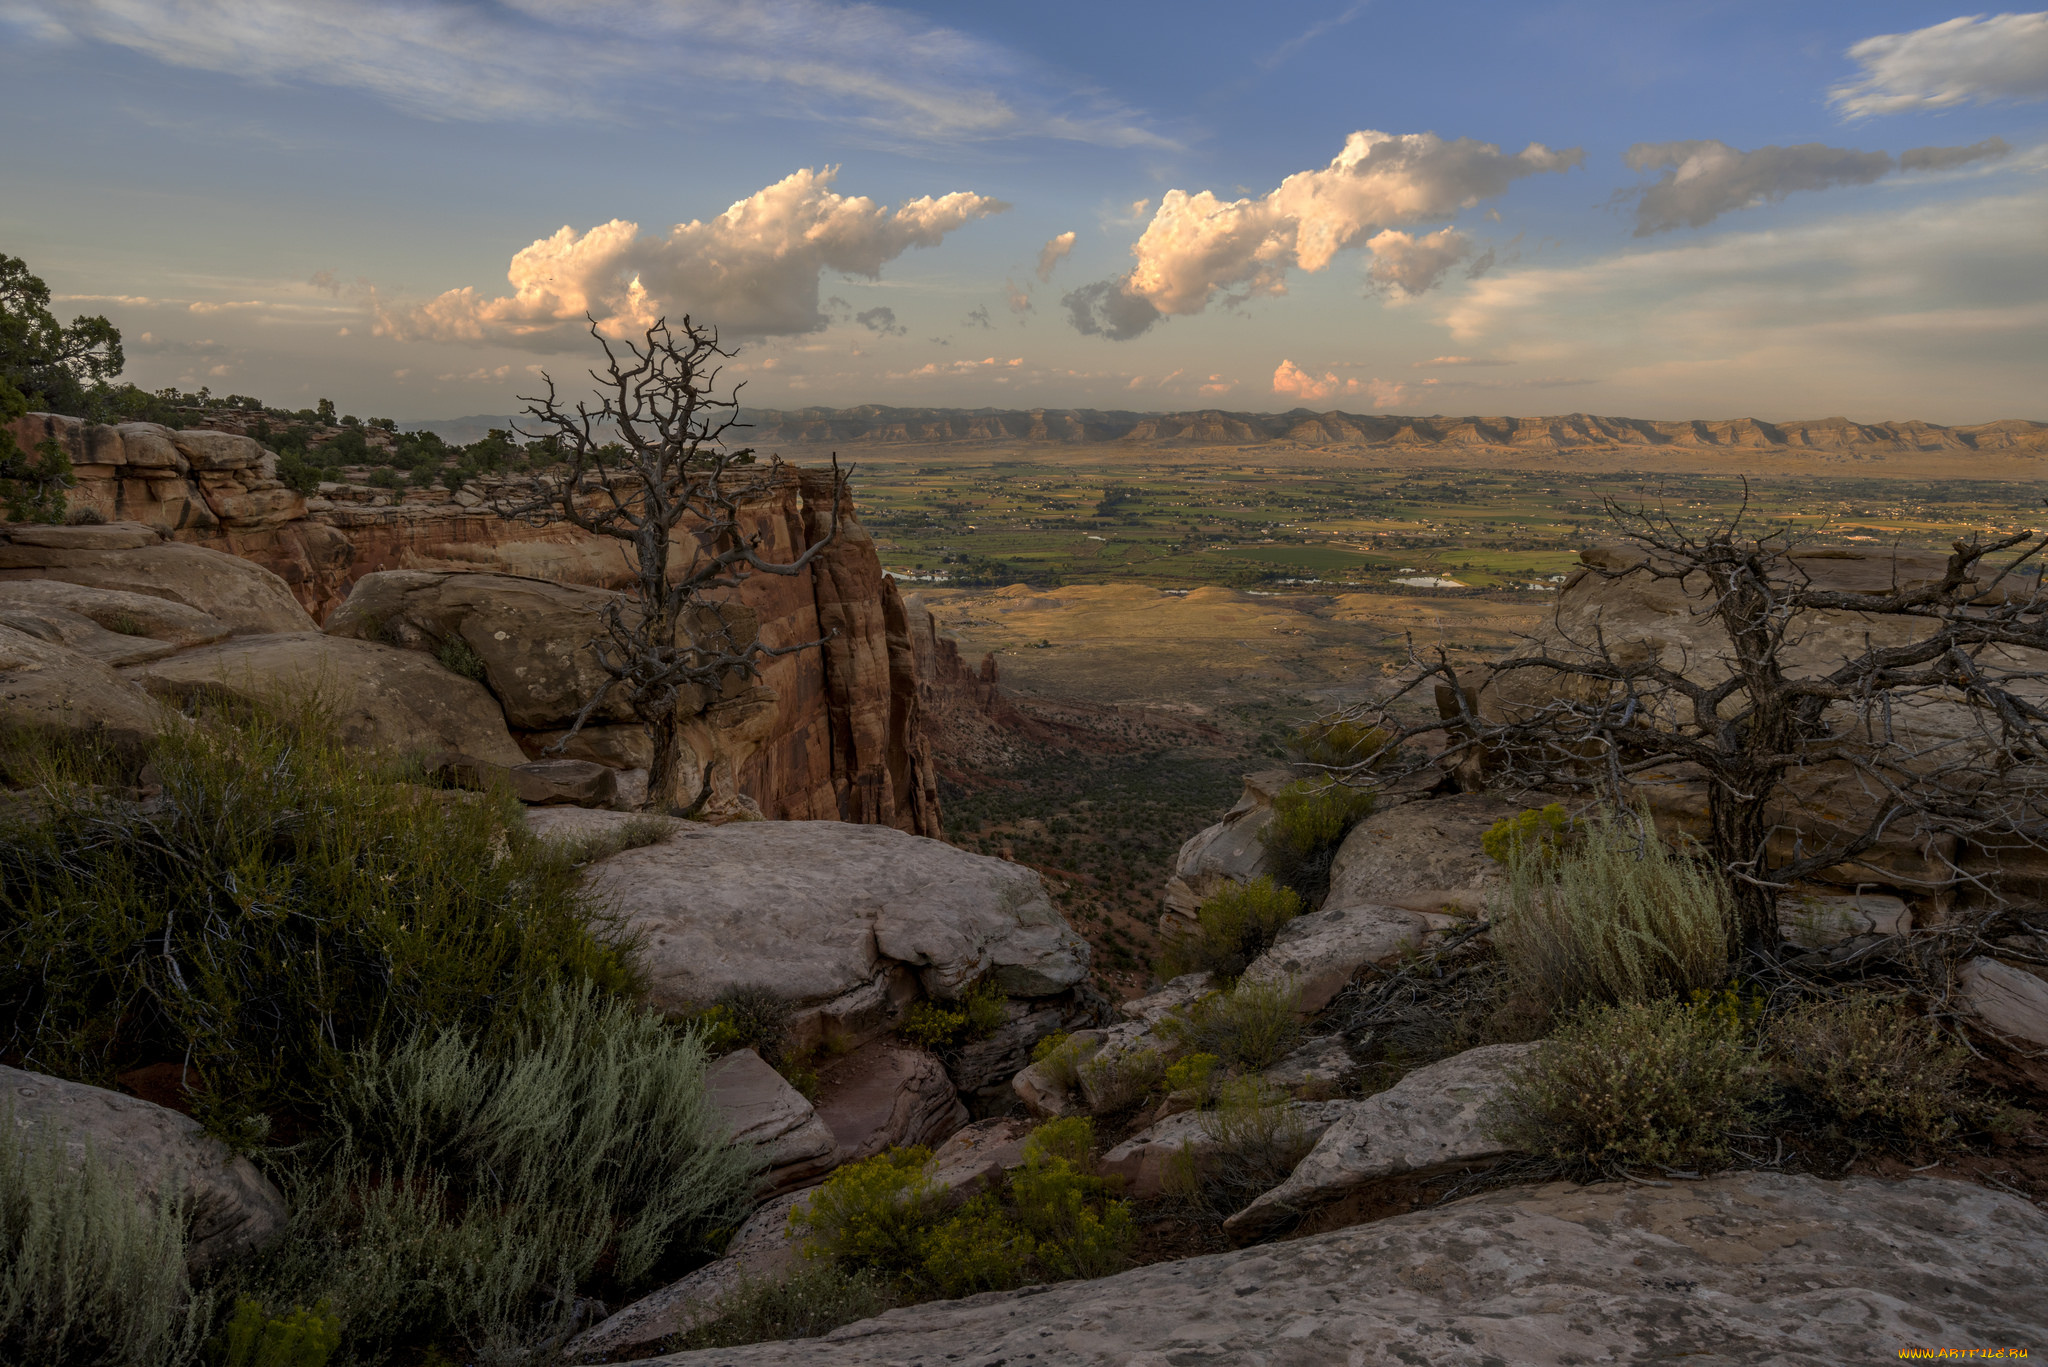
1821 720
651 466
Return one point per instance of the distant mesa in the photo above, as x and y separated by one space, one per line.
877 425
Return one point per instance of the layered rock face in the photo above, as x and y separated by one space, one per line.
833 732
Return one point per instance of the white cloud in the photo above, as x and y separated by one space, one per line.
224 306
1054 252
1436 362
1934 312
1414 264
867 64
1019 296
1704 179
751 271
1975 59
1198 247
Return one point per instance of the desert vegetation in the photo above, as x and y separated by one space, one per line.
392 995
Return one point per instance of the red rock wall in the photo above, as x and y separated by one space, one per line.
847 743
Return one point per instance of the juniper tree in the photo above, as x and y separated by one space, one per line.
652 465
1935 721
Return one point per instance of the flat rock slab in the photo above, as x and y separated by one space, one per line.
885 1094
1317 954
234 1207
1177 995
1314 1070
812 909
1436 1117
1420 855
2006 999
1758 1269
384 698
51 688
565 783
762 1109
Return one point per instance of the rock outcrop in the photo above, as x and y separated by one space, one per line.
763 1110
382 698
1436 1118
233 1207
137 559
847 923
1233 850
837 728
1421 856
885 1094
1753 1268
53 689
1316 954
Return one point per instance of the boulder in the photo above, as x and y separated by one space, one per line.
137 618
1144 1160
1421 856
534 637
383 698
1231 851
824 910
1178 994
978 1155
1755 1268
53 689
234 1210
2005 999
131 558
1433 1119
762 1249
765 1111
1821 922
885 1094
1316 954
565 783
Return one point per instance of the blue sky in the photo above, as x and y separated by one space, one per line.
1697 210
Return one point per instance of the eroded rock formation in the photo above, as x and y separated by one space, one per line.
829 733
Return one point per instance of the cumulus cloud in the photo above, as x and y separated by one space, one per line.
1415 264
1019 296
1706 178
1198 247
1291 380
882 320
752 270
1976 59
1052 253
862 63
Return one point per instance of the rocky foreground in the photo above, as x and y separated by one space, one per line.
1752 1268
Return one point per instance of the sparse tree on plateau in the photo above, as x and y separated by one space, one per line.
651 466
1934 719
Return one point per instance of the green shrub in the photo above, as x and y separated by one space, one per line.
1256 1139
89 1275
811 1301
301 1338
288 902
1195 1077
1340 744
1864 1064
1312 814
1541 830
456 655
1614 918
874 1213
1063 1205
979 1013
746 1017
298 474
1058 1056
470 1192
1123 1078
980 1247
1657 1084
1235 925
1253 1026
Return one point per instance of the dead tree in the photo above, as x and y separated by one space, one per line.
651 466
1931 716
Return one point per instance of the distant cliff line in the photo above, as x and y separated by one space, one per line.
878 425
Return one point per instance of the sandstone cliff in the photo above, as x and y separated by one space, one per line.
845 740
